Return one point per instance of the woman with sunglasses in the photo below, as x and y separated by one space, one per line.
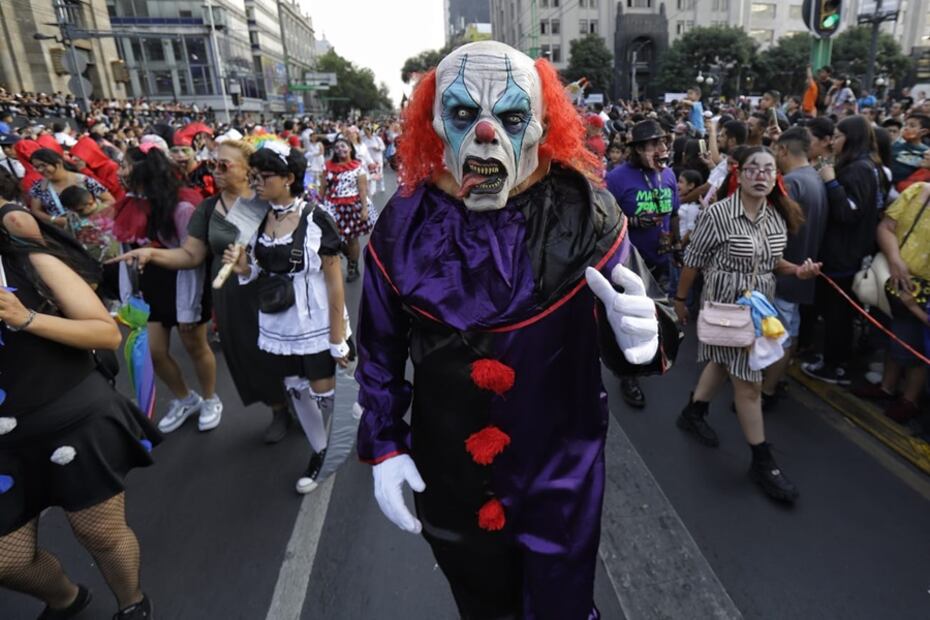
303 320
235 306
737 245
345 198
155 214
45 203
856 189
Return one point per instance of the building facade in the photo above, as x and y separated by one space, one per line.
32 65
268 61
299 51
458 14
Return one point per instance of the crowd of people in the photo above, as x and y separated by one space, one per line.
747 203
848 176
133 200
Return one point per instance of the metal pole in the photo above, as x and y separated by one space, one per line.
873 46
216 60
65 27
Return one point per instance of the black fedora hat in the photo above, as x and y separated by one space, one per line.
647 130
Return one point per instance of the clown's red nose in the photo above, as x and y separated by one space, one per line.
484 132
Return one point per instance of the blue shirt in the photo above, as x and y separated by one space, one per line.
4 127
696 117
643 192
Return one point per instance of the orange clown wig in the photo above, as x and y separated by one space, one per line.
420 149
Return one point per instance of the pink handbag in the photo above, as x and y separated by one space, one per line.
726 325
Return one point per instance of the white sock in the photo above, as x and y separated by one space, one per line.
307 410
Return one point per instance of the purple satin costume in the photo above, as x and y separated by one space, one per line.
471 272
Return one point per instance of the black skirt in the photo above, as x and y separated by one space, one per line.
160 290
99 435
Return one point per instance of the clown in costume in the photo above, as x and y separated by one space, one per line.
491 270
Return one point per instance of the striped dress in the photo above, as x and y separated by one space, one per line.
727 246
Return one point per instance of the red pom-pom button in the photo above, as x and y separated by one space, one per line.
492 375
486 444
491 516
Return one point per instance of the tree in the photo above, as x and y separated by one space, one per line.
590 58
702 48
355 89
781 67
851 54
423 62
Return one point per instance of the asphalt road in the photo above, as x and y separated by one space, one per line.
224 535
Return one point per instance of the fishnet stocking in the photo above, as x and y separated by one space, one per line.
103 531
30 570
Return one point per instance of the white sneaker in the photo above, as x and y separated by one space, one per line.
179 411
211 412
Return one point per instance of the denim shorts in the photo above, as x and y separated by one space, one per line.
790 315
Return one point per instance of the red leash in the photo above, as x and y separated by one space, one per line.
873 320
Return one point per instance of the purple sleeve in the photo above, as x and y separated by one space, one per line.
384 394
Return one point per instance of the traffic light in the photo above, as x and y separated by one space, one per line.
822 17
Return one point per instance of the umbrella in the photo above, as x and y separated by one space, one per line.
134 314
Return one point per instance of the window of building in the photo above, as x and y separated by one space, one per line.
639 4
794 12
763 10
555 4
592 26
592 4
764 37
583 26
556 53
721 5
185 13
581 4
555 26
543 27
154 50
162 82
683 26
685 5
544 4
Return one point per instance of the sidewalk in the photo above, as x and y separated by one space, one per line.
869 417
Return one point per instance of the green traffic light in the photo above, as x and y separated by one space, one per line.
830 21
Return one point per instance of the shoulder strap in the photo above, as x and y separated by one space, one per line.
916 219
300 236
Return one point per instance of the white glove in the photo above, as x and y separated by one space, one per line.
632 315
390 476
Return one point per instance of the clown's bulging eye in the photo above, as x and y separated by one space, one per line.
513 120
463 116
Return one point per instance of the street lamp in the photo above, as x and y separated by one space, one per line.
700 78
709 80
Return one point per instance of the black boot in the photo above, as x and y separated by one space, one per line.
80 602
280 423
692 419
352 271
766 473
632 393
140 611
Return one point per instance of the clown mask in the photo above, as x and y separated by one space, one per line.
488 112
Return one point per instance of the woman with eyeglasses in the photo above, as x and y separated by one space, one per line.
44 195
235 306
856 190
302 319
737 245
155 214
345 198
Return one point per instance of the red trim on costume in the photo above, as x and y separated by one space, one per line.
570 295
486 444
492 375
340 167
383 458
491 516
533 319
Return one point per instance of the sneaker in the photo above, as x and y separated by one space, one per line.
873 377
211 412
140 611
307 482
80 602
821 371
179 411
902 410
773 482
